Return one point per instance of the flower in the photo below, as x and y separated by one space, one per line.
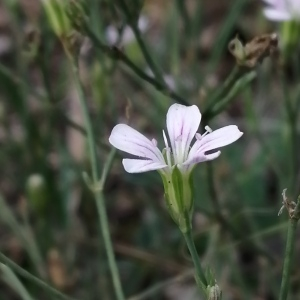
176 162
282 10
182 125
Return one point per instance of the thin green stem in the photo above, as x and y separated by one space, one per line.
182 9
237 86
255 125
134 26
289 252
200 276
5 260
13 281
292 122
104 227
107 167
116 54
25 236
225 87
156 71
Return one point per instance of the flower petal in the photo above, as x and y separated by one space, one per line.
201 157
277 15
276 4
182 124
127 139
141 165
218 138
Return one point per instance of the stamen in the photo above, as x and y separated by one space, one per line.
208 129
198 136
168 150
154 142
165 139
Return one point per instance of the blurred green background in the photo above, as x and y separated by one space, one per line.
49 222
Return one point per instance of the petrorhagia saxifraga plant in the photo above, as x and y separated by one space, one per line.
177 160
175 163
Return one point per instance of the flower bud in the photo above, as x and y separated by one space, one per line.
57 17
237 49
179 197
37 192
214 292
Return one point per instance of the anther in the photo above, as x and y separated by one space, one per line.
198 136
208 129
154 142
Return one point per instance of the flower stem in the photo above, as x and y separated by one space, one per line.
104 227
225 87
289 252
200 276
222 103
117 55
182 9
291 113
134 26
8 276
5 260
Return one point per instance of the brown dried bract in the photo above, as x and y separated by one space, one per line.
254 51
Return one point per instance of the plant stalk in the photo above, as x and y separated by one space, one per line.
133 24
116 54
200 276
5 260
289 252
104 227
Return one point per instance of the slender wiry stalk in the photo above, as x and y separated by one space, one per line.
116 54
182 9
289 251
290 245
221 103
225 87
134 26
200 276
24 235
104 227
5 260
14 282
291 112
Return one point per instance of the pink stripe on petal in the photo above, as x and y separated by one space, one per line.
182 124
218 138
140 165
201 157
127 139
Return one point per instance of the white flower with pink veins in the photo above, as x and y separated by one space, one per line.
182 126
282 10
